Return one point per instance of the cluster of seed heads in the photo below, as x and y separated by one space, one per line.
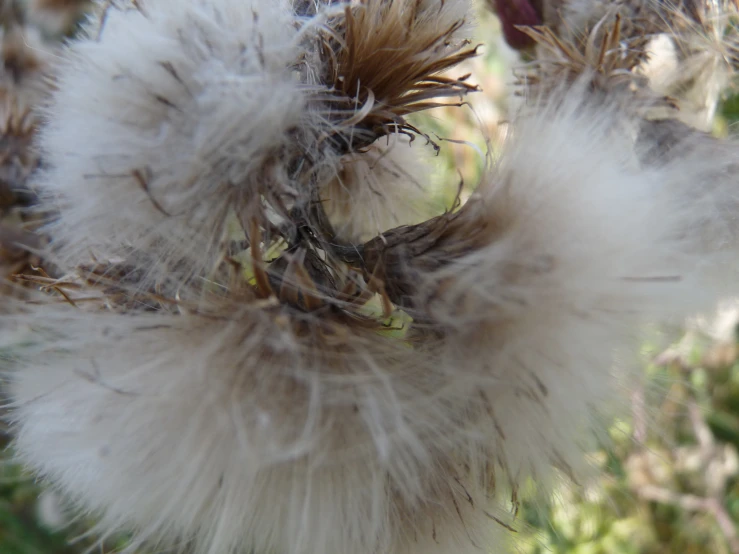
239 325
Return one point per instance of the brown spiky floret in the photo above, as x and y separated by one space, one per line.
604 54
22 85
386 60
59 4
17 162
703 25
17 159
601 52
693 25
382 61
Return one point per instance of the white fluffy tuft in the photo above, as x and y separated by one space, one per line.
582 249
166 123
384 186
241 435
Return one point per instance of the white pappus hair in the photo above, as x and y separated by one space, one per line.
268 429
575 254
241 435
165 120
271 413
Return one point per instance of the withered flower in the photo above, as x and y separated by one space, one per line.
387 60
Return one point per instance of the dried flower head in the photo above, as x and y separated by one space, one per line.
387 60
17 159
605 54
685 50
695 58
303 419
602 53
226 122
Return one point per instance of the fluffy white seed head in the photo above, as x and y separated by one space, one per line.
267 428
690 47
569 259
245 434
694 62
164 124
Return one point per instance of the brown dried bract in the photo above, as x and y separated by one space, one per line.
17 159
602 52
19 60
59 5
698 25
387 60
400 257
604 57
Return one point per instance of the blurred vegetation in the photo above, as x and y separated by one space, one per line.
669 474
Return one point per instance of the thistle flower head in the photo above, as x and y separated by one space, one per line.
179 162
419 40
698 58
179 159
682 50
602 54
302 420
